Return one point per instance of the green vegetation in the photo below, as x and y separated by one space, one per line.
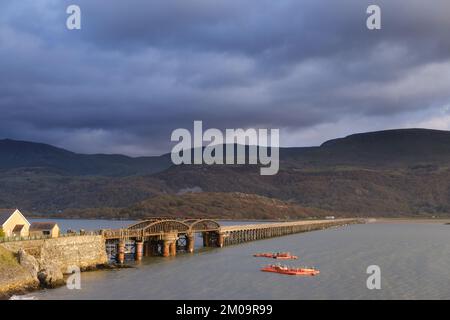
2 234
14 278
7 259
206 204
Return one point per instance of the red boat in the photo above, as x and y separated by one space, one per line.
263 255
291 271
284 256
278 255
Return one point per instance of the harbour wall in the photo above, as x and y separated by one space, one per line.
85 252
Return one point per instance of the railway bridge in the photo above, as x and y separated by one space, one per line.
166 237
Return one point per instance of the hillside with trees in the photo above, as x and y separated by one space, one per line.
387 173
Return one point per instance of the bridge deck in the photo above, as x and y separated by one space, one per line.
167 227
282 224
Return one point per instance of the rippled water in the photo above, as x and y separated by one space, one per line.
414 261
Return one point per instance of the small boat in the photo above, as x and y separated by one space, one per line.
284 256
264 255
278 255
304 271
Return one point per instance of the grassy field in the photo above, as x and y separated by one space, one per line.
13 277
7 259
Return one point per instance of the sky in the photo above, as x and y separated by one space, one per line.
139 69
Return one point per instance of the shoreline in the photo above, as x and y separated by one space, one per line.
31 216
380 218
21 288
410 220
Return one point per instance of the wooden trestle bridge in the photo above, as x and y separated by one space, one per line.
166 237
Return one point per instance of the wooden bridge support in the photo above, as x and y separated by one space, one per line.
173 248
166 248
120 258
169 244
236 235
138 250
190 242
220 239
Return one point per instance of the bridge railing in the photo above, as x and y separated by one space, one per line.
44 237
122 233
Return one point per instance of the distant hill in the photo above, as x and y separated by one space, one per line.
21 154
389 148
388 173
383 148
398 146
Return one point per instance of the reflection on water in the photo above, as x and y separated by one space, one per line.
414 261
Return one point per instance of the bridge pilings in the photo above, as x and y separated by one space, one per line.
190 242
139 250
169 244
120 252
220 239
166 241
236 235
173 248
166 248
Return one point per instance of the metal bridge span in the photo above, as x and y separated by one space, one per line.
166 237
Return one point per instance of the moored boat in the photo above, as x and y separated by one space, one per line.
264 255
284 256
304 271
277 255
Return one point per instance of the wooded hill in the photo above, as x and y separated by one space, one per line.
387 173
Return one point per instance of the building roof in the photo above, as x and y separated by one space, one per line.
18 227
5 214
37 226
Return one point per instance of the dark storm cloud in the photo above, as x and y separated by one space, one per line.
139 69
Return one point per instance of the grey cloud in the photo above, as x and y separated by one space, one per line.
139 69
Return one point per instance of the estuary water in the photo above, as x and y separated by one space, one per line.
414 260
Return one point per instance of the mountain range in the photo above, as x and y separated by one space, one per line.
403 172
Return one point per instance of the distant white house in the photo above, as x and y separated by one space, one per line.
13 223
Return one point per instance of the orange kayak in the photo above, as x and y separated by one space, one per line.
291 271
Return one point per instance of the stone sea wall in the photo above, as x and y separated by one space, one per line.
82 251
42 263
